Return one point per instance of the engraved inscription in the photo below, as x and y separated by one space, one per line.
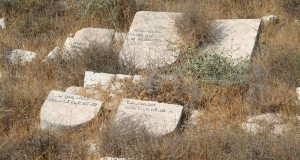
148 35
145 106
70 99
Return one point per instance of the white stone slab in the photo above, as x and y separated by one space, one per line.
152 40
107 81
67 111
18 56
102 80
158 118
235 38
84 38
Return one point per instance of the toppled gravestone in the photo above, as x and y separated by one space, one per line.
152 40
107 81
157 118
84 38
62 111
20 57
237 39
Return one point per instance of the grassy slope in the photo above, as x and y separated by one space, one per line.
40 26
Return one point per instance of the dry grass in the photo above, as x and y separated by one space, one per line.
39 26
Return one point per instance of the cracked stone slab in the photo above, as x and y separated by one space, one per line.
158 118
152 40
67 111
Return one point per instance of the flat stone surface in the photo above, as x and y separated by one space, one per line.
235 38
18 56
107 81
101 80
66 111
157 118
86 37
152 40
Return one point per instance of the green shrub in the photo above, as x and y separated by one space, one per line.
213 68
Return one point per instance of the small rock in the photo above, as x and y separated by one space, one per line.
18 56
53 56
269 19
2 23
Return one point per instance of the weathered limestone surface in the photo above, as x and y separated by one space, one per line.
18 56
53 56
235 38
152 40
66 111
86 37
157 118
107 81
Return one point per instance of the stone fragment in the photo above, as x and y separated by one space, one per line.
107 81
18 56
269 19
62 111
298 92
236 39
158 118
152 40
53 56
2 23
101 80
86 37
